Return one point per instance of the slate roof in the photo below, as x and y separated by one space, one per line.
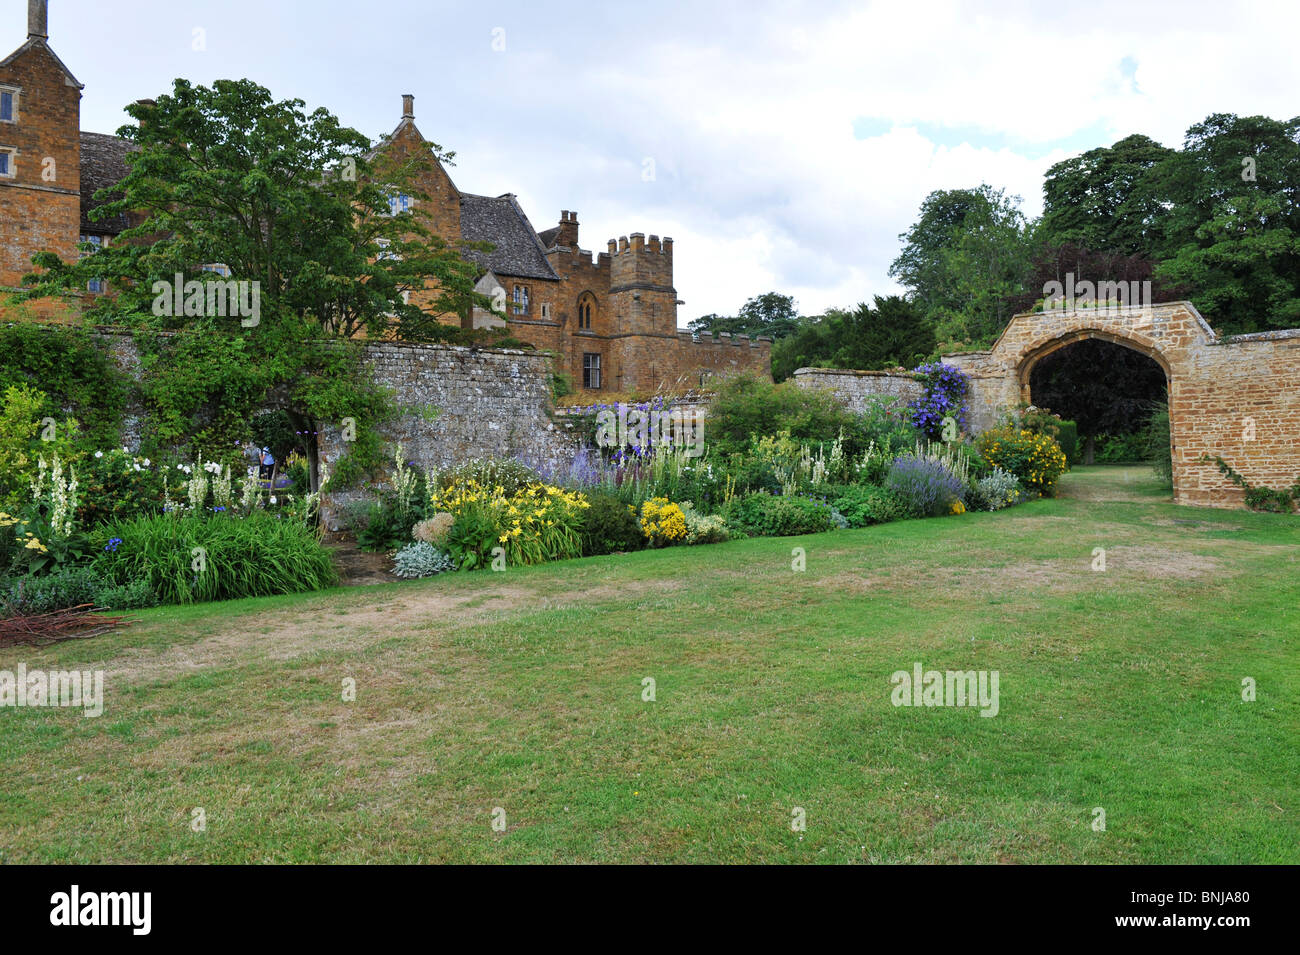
103 164
548 237
519 252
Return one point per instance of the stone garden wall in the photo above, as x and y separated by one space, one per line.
457 403
854 388
454 403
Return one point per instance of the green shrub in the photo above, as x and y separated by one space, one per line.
186 559
136 595
746 405
115 485
609 526
766 515
886 423
1158 449
380 524
73 371
1036 459
67 587
472 538
864 505
1068 438
1122 448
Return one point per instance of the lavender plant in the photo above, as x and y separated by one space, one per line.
925 485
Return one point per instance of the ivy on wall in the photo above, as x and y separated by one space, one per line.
74 373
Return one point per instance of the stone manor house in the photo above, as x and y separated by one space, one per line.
609 319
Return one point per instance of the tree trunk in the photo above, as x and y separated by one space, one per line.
1089 448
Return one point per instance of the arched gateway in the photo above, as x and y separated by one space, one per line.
1237 398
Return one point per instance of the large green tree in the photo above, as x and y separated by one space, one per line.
1231 232
771 314
965 262
889 332
227 176
1100 200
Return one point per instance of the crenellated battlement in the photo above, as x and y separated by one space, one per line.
723 340
637 244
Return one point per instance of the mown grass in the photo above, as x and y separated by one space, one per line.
1119 690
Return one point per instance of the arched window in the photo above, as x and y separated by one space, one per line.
586 310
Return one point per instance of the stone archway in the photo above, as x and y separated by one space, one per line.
1117 352
1237 398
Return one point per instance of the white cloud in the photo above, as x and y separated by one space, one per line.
748 111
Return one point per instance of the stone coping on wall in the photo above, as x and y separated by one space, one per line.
689 398
1277 335
879 373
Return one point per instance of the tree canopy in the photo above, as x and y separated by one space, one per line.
771 314
227 178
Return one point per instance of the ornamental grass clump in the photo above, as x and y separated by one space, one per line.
926 486
190 558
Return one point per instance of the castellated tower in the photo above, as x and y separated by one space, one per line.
641 293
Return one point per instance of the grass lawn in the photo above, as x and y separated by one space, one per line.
1119 689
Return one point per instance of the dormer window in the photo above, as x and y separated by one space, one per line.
8 104
8 158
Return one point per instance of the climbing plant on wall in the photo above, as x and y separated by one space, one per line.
946 388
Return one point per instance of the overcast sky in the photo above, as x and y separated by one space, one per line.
790 143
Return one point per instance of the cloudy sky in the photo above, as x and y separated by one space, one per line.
783 145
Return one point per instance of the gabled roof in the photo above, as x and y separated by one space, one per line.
548 237
103 164
519 252
34 42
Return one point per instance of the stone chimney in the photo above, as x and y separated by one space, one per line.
408 106
568 234
38 19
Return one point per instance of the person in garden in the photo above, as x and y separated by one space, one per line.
266 464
